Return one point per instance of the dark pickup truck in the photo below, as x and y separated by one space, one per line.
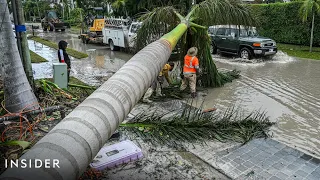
241 41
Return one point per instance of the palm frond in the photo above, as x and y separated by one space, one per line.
155 24
306 9
213 12
191 125
209 12
210 76
229 76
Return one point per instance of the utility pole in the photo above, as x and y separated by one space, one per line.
39 15
22 41
15 21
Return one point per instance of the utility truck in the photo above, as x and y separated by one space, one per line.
115 32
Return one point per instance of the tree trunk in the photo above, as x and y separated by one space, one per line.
39 15
63 12
17 91
311 36
76 140
26 59
15 21
72 4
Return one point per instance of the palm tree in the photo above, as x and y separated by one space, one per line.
78 138
120 7
17 91
206 13
310 7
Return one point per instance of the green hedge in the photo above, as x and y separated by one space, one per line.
281 22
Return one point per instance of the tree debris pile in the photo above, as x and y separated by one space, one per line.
27 128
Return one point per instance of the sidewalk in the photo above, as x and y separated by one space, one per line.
264 159
258 159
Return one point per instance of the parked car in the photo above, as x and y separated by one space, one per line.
242 41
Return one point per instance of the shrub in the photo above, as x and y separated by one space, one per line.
75 17
281 22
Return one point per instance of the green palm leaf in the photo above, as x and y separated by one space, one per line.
191 126
209 12
23 144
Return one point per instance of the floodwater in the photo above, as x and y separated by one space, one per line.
286 88
94 70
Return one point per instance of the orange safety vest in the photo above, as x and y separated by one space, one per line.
190 64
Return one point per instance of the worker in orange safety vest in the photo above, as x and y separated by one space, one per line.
190 70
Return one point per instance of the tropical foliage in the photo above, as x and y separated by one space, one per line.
134 8
191 125
76 16
310 8
210 12
36 8
282 22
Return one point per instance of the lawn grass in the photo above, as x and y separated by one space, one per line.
35 58
300 51
71 52
74 80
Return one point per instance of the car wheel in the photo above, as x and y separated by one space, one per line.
112 46
213 49
245 53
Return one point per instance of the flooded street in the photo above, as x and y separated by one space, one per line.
285 87
94 70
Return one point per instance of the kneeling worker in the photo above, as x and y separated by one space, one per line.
157 84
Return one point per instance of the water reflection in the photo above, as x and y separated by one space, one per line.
43 70
94 70
100 61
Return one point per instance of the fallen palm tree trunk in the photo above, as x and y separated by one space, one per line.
76 140
33 112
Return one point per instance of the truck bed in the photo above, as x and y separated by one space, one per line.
116 35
